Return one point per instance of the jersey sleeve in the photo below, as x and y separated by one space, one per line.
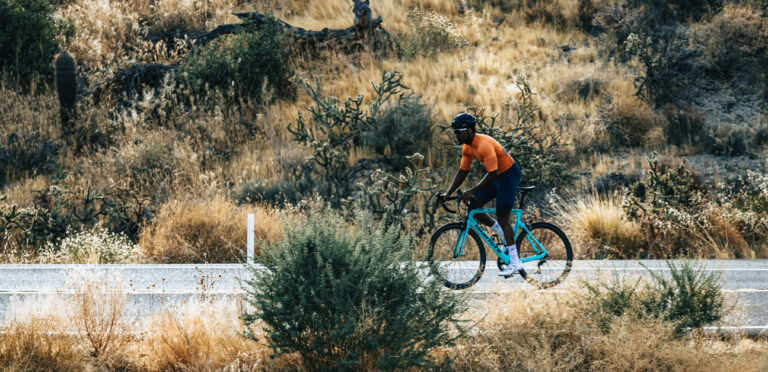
489 157
466 158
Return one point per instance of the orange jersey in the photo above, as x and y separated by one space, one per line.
488 151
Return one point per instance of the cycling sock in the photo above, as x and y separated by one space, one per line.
496 227
512 250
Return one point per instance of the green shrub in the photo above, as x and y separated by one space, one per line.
690 297
26 153
239 65
28 39
349 298
400 129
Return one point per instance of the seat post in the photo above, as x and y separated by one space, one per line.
523 190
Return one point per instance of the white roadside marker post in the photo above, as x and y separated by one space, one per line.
250 237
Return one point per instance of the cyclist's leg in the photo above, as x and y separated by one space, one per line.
507 190
482 197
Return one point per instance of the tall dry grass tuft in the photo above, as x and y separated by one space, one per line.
33 344
204 338
599 228
200 230
97 313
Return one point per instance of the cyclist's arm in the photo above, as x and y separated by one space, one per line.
458 179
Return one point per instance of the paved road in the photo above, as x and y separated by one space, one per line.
153 287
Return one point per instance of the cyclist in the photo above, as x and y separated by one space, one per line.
500 181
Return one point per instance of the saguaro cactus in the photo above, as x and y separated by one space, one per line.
66 87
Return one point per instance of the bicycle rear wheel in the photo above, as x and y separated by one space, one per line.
457 272
552 269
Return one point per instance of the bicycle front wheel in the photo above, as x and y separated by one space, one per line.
552 269
457 272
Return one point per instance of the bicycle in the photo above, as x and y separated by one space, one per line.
542 247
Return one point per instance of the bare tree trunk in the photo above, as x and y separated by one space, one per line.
365 28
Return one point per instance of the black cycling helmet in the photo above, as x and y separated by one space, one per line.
463 121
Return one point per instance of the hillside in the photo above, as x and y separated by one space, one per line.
643 123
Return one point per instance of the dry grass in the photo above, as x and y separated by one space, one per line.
200 230
599 228
205 338
547 331
29 345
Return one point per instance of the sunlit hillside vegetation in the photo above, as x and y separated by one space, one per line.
643 123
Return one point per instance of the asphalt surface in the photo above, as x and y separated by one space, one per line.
155 287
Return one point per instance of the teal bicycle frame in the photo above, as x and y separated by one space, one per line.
470 223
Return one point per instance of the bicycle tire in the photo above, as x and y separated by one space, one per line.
456 275
559 258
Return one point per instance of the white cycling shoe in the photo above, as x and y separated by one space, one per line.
512 268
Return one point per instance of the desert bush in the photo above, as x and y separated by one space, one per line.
57 212
742 21
336 129
690 297
153 165
349 298
667 62
99 301
406 200
400 129
627 121
678 10
244 65
685 126
746 208
682 218
204 231
26 153
749 192
668 205
430 34
29 38
599 228
98 246
728 140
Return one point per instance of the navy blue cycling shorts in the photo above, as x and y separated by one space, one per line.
503 188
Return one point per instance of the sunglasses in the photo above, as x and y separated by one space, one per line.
458 131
